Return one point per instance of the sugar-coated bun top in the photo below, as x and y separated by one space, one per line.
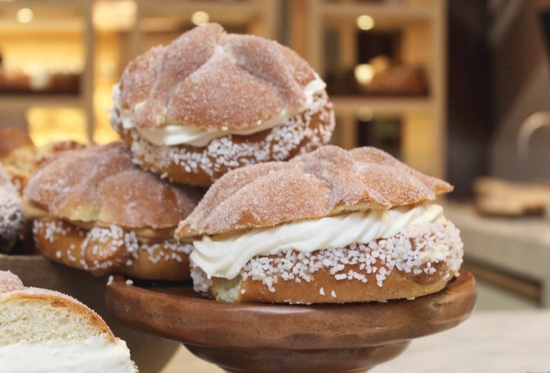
9 282
210 79
101 183
328 181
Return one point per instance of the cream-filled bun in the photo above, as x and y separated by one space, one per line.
43 331
99 212
210 102
331 226
11 213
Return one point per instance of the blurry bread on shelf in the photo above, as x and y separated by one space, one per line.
499 197
22 161
11 139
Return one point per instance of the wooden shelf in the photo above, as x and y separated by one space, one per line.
422 26
65 16
261 16
232 11
382 14
22 102
382 105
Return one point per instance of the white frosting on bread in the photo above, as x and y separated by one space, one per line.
92 355
44 331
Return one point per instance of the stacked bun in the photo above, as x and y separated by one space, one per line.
46 331
211 102
99 212
11 213
331 226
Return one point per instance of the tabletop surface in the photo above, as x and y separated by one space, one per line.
489 341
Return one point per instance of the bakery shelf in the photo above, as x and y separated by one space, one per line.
261 17
62 17
391 14
22 101
382 105
158 18
225 11
421 25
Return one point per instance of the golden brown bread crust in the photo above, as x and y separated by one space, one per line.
202 166
111 250
324 288
12 289
11 139
211 79
62 300
101 183
334 180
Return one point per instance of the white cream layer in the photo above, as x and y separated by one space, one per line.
176 134
93 355
226 257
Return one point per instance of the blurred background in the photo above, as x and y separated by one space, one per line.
456 89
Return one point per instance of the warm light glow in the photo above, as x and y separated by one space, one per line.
380 63
114 15
364 73
48 125
365 114
198 18
24 15
365 22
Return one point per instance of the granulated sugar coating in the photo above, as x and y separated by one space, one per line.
296 135
328 181
138 78
102 184
11 212
210 79
9 282
105 250
415 250
425 254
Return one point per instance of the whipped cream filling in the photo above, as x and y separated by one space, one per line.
225 257
177 134
93 355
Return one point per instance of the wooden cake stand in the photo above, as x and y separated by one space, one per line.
264 338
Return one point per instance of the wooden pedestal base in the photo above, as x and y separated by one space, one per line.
267 338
